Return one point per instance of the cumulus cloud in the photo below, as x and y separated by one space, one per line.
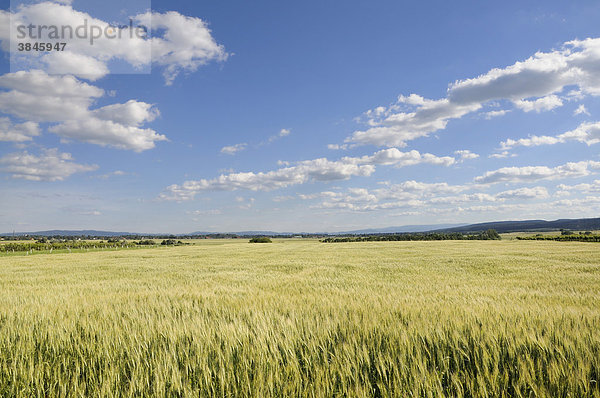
185 42
587 133
175 42
50 165
17 132
419 188
83 66
580 203
337 147
421 117
492 114
539 105
524 193
37 96
502 155
531 85
233 149
536 173
308 170
131 113
430 197
587 188
465 154
108 133
393 156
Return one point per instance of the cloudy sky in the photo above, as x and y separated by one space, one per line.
301 116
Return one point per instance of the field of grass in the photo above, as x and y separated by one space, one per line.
302 318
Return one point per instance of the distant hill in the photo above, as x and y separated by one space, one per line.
581 224
398 230
385 230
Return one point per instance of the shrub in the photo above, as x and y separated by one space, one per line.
148 242
262 239
490 234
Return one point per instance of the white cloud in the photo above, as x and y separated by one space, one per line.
83 66
577 203
412 194
131 113
37 96
177 42
423 116
588 133
492 114
17 132
465 198
532 85
40 97
421 188
337 147
108 133
541 104
587 188
282 133
39 83
393 156
304 171
233 149
524 193
51 165
185 45
536 173
502 155
465 154
581 110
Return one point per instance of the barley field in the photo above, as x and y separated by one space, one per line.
301 318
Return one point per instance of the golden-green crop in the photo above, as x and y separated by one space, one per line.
301 318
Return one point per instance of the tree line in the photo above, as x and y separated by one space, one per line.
563 238
490 234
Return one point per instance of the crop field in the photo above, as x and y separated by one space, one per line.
301 318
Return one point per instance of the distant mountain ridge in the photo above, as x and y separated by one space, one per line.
500 226
402 229
528 226
383 230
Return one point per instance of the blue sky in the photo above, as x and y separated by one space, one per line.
305 116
